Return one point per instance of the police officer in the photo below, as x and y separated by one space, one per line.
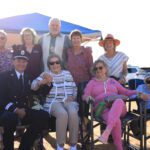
14 99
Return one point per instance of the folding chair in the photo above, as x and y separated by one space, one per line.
143 116
86 110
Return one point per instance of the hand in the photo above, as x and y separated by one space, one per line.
47 79
70 99
20 112
122 80
144 96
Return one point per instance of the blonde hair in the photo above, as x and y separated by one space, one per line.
33 32
4 33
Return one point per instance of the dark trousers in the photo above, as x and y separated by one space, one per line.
37 121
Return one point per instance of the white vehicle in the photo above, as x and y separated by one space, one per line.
135 72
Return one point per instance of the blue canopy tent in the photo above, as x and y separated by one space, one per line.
39 22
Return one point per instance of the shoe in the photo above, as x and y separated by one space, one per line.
102 140
59 147
104 137
73 147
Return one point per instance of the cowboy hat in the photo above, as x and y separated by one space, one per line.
109 36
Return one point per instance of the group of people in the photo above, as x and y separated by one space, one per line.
56 66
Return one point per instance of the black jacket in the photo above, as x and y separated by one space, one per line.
11 95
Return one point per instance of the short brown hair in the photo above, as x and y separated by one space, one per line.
75 33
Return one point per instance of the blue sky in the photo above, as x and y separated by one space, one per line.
127 20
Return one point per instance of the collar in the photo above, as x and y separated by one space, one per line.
18 74
60 35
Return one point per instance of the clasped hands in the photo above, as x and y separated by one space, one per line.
46 79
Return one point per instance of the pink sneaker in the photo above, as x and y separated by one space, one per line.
104 137
103 140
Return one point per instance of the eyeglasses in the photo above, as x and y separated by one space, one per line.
2 38
98 68
147 81
54 62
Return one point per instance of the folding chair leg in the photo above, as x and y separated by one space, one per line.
92 134
83 145
1 138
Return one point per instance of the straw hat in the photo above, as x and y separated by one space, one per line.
109 36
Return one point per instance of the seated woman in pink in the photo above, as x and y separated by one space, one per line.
102 87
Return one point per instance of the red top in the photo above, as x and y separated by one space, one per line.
80 65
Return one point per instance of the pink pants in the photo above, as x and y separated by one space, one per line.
112 117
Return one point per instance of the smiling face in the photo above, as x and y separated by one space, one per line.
27 37
109 45
54 27
100 70
76 40
20 64
54 65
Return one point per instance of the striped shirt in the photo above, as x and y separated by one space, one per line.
115 64
63 87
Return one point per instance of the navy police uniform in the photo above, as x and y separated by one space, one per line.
13 96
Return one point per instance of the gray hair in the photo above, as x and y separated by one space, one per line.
53 56
97 62
54 20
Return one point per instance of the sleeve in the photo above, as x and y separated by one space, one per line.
35 83
87 91
125 57
140 88
5 102
123 90
89 58
67 45
69 78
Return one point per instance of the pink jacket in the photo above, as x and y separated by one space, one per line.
99 89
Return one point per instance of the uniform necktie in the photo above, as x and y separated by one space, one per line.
21 81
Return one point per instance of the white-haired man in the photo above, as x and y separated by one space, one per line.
54 42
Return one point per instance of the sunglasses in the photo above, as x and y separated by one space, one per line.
98 68
147 81
54 62
2 38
